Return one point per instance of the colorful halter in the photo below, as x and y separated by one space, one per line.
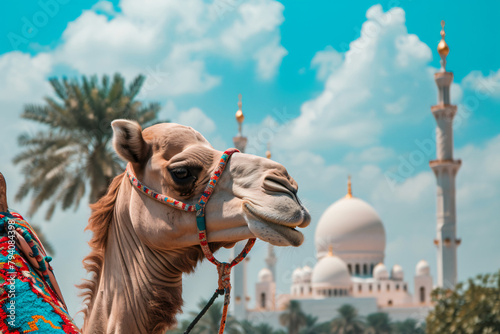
223 268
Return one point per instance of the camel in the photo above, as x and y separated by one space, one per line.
141 247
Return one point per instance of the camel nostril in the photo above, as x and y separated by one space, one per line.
276 184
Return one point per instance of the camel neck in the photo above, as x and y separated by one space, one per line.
140 290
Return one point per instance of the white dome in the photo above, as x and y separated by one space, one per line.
307 273
380 272
422 268
331 271
265 275
297 275
397 272
351 226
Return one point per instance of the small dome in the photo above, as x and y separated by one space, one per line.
331 271
307 274
352 227
265 275
380 272
422 268
397 272
297 275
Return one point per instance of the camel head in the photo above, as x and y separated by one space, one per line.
254 197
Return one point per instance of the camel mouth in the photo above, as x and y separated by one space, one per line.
277 233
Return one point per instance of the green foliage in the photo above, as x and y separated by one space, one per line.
293 318
409 326
210 322
73 151
347 322
473 307
312 326
378 323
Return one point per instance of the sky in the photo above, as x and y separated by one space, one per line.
335 88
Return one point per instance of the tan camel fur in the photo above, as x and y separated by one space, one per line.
141 247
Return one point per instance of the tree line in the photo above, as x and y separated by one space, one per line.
473 307
296 321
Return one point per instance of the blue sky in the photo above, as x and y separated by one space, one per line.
337 88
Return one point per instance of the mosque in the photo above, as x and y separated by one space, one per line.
350 242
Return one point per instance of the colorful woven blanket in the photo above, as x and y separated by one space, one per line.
30 299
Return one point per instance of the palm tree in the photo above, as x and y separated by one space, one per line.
247 327
312 327
73 152
210 321
264 329
409 326
348 321
378 323
293 318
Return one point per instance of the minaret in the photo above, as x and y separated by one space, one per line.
239 141
445 168
240 272
271 256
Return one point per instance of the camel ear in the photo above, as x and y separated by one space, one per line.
128 141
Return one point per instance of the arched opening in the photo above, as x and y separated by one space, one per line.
356 269
349 267
388 287
263 300
329 292
389 302
360 287
422 294
397 287
371 269
310 289
301 290
365 269
379 288
335 292
404 287
370 287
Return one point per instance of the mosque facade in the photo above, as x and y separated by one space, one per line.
350 242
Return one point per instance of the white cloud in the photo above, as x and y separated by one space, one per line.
385 72
372 154
24 79
269 58
197 119
485 85
326 61
170 41
104 6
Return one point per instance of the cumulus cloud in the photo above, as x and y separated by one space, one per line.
385 72
326 61
171 40
372 154
23 79
488 85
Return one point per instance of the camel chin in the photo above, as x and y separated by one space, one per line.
275 234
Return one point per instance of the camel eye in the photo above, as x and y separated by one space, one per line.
180 173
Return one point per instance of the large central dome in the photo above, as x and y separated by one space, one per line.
355 232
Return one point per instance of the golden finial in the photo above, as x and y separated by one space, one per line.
268 152
330 250
349 187
443 48
239 114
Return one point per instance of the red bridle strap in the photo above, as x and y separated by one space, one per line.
223 268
